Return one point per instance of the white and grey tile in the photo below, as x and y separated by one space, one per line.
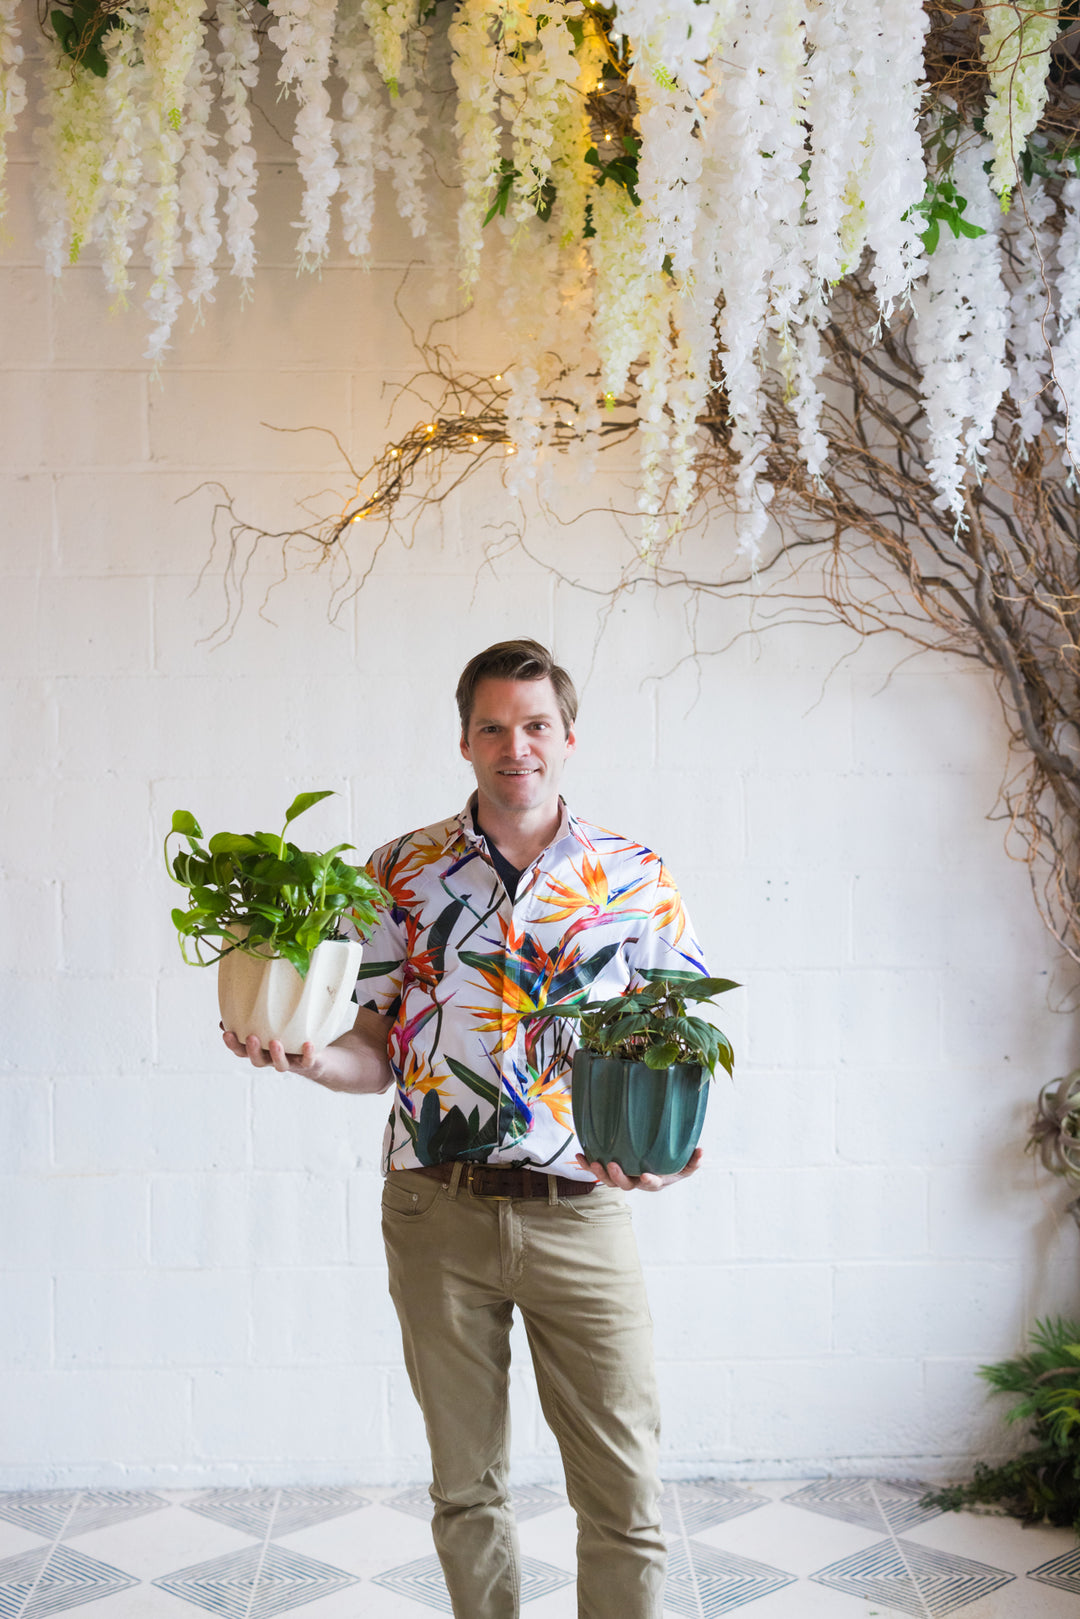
809 1549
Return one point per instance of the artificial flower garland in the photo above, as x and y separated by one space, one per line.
673 187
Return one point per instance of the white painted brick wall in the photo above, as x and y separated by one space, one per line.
192 1288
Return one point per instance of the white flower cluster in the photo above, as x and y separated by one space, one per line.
12 84
1031 315
122 174
748 155
73 146
962 319
390 23
200 178
304 32
238 62
1016 51
476 47
1066 353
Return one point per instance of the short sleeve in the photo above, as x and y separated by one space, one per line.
382 970
668 944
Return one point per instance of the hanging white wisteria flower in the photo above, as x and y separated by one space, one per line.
672 190
125 94
73 147
304 31
390 23
961 324
1016 51
361 130
174 32
1066 351
238 62
12 84
200 176
891 70
476 48
1031 316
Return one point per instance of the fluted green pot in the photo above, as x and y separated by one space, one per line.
646 1120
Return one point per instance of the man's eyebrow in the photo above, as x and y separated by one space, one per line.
488 719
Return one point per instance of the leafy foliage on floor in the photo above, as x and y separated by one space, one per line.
1043 1484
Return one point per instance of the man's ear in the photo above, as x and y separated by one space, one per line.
464 746
571 741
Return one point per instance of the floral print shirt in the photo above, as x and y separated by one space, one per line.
459 968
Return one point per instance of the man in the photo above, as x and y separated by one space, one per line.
508 907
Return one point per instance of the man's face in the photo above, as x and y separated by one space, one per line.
516 743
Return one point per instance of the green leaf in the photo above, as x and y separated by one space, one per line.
475 1082
662 1056
182 821
304 801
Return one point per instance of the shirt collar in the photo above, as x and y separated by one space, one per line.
568 826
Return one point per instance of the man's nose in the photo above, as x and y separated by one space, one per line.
519 744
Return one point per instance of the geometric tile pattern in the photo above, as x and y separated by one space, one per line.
275 1512
1064 1572
708 1582
255 1583
51 1579
423 1581
913 1579
711 1573
527 1500
702 1505
47 1512
875 1503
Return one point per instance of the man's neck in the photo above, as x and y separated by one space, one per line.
519 838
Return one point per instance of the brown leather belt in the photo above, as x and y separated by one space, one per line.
483 1180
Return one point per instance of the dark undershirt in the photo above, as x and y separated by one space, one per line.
510 875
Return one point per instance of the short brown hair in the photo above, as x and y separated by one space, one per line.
515 660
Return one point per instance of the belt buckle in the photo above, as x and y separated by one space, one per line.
495 1197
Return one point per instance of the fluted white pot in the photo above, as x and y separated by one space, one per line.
265 995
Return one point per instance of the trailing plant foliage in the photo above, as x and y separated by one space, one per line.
1043 1484
257 893
651 1024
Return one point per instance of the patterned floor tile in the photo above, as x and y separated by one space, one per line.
423 1581
275 1512
75 1512
51 1579
528 1501
874 1503
686 1508
913 1579
708 1582
1062 1572
255 1583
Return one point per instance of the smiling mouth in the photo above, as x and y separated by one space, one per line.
518 772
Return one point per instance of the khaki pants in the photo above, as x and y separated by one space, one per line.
458 1265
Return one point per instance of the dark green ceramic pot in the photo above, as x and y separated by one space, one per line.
647 1120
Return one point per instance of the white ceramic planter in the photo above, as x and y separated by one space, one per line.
265 995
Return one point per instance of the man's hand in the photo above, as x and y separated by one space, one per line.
308 1063
355 1062
612 1175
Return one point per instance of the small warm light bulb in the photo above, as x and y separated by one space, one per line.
607 136
498 376
358 517
393 452
431 427
511 449
475 439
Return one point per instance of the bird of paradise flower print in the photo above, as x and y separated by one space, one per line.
461 970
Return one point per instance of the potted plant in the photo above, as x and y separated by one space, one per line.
270 915
641 1072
